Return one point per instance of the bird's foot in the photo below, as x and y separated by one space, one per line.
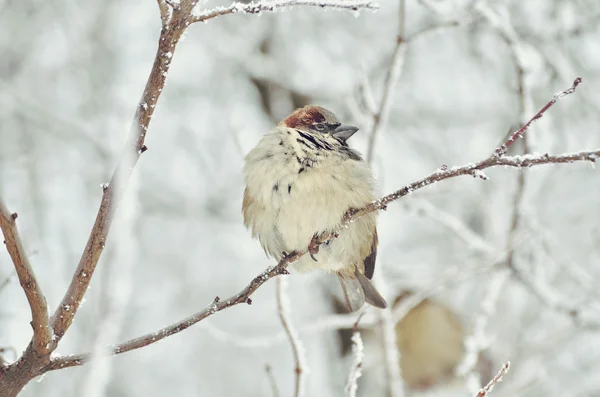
313 247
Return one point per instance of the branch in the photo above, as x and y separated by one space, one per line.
273 6
113 191
477 341
216 306
37 302
283 309
391 354
521 131
391 78
244 296
498 378
359 355
272 381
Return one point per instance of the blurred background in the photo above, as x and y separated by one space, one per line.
496 270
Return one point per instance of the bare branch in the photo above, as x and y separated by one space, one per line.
521 131
391 78
498 378
477 341
272 381
456 225
37 302
165 12
112 191
391 355
216 306
272 6
359 355
283 309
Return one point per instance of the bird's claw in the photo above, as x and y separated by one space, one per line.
313 248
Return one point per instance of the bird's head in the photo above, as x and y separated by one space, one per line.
317 120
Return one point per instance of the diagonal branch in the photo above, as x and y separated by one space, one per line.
498 378
37 302
216 306
112 191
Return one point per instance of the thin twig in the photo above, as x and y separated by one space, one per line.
453 223
391 353
283 309
37 302
272 380
273 6
521 131
359 355
391 78
477 341
498 378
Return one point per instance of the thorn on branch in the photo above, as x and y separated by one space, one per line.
14 216
249 301
217 299
143 149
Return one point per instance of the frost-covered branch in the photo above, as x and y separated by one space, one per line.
273 6
521 131
283 309
217 305
359 355
35 297
392 75
498 378
477 339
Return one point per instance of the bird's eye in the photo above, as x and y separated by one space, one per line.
321 127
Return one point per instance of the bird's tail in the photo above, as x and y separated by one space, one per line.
358 289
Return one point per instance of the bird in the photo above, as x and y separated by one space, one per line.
301 178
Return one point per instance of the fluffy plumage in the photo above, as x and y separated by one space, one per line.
301 179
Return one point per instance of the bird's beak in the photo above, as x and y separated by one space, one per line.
343 132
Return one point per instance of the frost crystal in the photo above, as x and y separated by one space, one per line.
479 174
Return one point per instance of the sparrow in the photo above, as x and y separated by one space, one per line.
301 178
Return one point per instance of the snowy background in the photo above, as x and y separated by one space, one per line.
71 74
